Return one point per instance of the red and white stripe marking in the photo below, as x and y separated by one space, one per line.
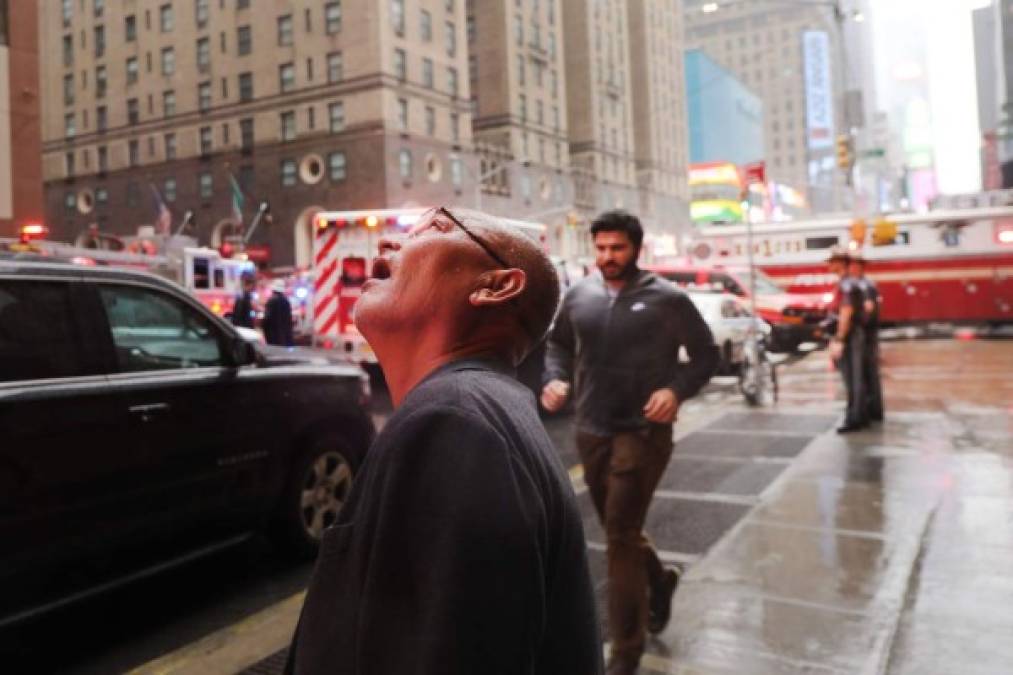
325 291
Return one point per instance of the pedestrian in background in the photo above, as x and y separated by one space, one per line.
616 345
242 310
848 346
460 549
277 324
872 301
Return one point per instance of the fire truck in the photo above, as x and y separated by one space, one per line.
952 265
344 245
211 278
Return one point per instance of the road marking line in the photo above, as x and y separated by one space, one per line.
741 500
664 556
234 647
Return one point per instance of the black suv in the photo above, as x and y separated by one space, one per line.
133 417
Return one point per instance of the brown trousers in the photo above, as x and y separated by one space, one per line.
622 472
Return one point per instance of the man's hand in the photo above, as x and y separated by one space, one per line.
662 407
554 395
836 349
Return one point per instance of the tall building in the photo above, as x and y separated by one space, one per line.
986 66
790 56
600 104
518 83
657 90
306 104
20 153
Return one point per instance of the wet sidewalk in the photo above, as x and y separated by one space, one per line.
885 551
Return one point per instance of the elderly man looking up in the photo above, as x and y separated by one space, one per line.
460 549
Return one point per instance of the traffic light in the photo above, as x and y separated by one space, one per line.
884 232
845 152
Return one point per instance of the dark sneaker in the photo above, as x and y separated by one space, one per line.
660 607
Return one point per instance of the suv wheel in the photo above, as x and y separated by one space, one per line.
318 486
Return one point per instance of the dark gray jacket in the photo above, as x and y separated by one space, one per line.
616 353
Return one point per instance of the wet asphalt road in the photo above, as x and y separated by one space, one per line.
885 551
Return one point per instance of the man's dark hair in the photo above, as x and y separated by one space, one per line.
619 221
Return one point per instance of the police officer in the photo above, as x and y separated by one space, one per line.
871 307
847 344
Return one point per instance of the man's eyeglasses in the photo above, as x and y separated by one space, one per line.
429 220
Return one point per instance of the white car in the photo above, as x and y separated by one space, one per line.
728 318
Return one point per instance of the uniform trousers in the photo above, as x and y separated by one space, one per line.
853 366
622 472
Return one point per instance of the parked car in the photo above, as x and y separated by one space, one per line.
794 318
133 417
728 318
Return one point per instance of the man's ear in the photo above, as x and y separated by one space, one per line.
498 287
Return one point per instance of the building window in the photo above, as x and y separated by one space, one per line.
100 41
452 82
536 33
206 185
288 172
225 135
522 101
170 146
332 17
133 194
285 30
70 201
519 30
456 173
338 166
426 26
169 190
552 45
134 152
336 112
335 67
68 89
204 96
246 134
455 127
132 70
201 12
286 77
133 111
166 20
242 4
101 80
68 50
101 196
169 103
405 164
245 87
470 28
553 84
203 55
206 141
450 38
397 16
244 40
168 61
539 113
309 69
103 158
130 28
101 118
402 114
430 121
68 12
68 164
400 64
288 126
520 69
427 73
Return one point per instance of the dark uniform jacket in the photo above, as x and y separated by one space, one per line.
460 550
617 352
870 292
851 293
242 311
277 324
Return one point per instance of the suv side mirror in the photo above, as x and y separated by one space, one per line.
243 353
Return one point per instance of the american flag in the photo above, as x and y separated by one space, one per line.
163 216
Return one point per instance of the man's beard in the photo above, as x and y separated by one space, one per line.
616 272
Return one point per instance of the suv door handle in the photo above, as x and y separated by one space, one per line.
149 410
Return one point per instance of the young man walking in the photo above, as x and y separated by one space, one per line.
616 346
